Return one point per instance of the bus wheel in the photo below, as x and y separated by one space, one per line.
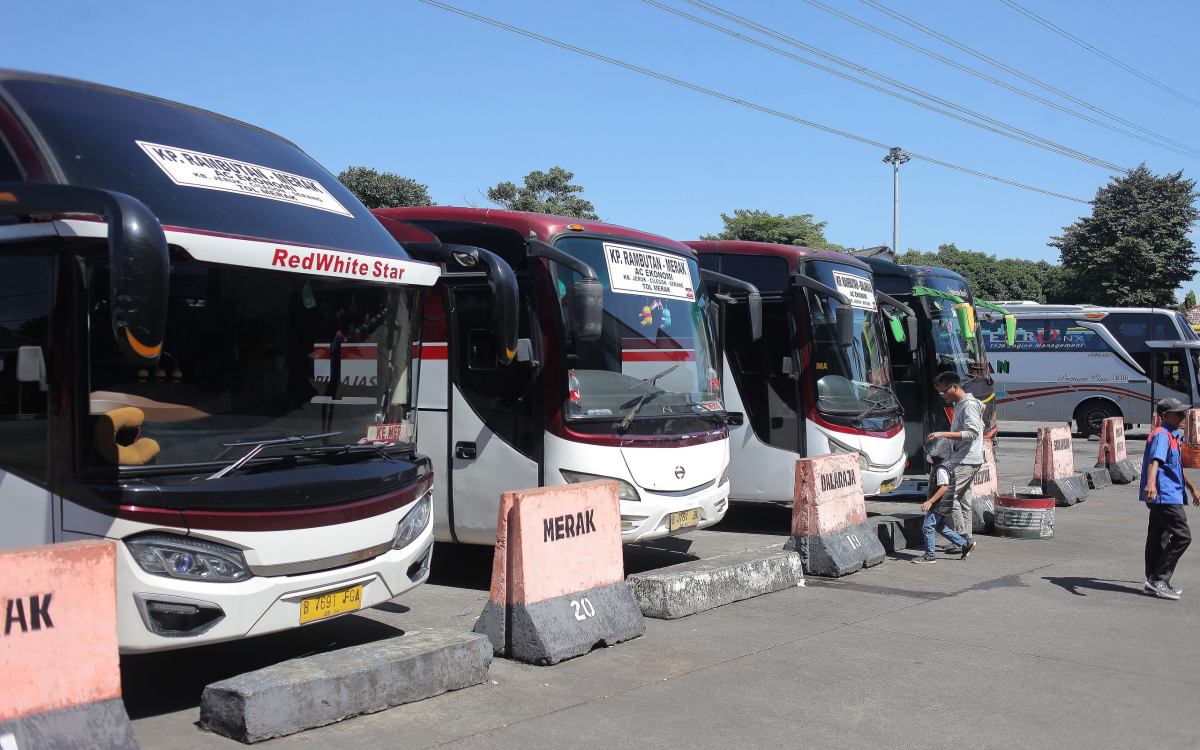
1090 416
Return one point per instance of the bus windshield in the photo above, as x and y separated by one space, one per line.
253 355
855 379
955 350
656 354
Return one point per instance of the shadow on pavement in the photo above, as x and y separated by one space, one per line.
759 517
1075 583
462 566
169 681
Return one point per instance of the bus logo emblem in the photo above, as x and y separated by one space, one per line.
679 472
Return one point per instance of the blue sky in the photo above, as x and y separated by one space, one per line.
408 88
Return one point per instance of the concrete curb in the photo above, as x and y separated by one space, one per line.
317 690
691 587
898 532
1096 478
102 725
1121 472
839 553
1066 492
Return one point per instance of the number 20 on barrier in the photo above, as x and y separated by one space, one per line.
583 608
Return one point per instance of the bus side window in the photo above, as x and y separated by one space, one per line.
24 340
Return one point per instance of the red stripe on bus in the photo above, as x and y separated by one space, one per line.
657 355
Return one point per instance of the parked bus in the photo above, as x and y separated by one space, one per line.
819 381
948 340
616 374
1085 364
207 357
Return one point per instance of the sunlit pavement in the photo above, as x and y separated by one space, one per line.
1025 644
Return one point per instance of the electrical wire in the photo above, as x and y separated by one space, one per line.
1005 129
731 99
1002 66
1148 31
1099 53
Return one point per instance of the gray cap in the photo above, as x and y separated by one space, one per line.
938 450
1168 405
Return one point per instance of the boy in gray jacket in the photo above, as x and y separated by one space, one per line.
966 433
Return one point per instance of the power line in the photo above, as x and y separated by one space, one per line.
731 99
1099 53
1002 66
1148 31
1006 130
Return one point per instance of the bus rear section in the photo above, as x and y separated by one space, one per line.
615 373
208 359
948 341
819 380
1085 364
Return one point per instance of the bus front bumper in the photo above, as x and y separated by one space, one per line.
651 518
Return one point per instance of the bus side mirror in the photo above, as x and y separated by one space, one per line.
755 302
587 308
753 297
966 319
137 257
845 326
1010 329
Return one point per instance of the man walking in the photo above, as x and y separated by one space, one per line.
966 432
1167 533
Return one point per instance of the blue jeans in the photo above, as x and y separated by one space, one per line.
937 522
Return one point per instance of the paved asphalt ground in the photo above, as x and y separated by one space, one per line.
1044 643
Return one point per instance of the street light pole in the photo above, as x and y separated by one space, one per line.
896 157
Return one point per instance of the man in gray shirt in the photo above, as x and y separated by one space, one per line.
966 432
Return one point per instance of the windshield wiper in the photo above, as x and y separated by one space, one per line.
645 396
333 450
259 445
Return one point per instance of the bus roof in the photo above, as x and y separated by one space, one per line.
539 226
794 254
1031 308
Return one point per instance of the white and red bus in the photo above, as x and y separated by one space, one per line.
206 349
819 380
615 373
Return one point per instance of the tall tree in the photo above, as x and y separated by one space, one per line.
1134 249
544 193
764 226
1189 301
384 189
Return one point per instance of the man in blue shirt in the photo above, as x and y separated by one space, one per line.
1167 534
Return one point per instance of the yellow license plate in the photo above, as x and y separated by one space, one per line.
328 605
887 486
684 519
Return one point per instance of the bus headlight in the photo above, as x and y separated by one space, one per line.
414 522
190 559
724 475
625 490
836 447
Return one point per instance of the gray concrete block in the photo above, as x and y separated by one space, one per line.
691 587
102 725
313 691
563 627
983 510
1066 492
1096 478
891 534
1121 472
841 552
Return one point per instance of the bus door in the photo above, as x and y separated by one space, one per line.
1171 371
911 388
495 439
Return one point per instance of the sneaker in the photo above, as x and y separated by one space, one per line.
967 549
1164 591
952 549
1148 588
925 558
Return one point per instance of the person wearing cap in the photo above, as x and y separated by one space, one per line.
939 502
966 433
1167 532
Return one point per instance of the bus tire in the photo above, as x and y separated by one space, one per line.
1090 415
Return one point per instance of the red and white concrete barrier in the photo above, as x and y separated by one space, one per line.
1113 456
558 576
1054 467
829 517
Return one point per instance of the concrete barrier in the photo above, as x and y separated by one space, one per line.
1054 467
313 691
1190 449
1113 456
691 587
984 487
558 581
60 682
829 517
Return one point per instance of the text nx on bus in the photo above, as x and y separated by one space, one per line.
207 356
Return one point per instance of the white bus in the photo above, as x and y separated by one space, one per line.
220 378
1084 363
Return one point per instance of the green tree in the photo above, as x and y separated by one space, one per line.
544 193
384 189
991 278
1134 249
1189 301
764 226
